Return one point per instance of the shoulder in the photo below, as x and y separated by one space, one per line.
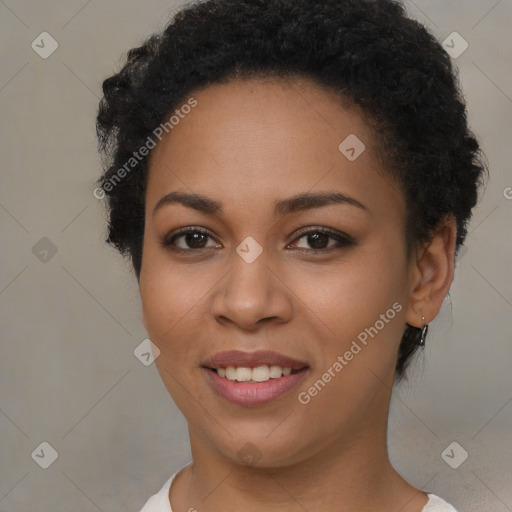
159 502
437 504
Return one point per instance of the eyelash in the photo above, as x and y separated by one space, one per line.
343 239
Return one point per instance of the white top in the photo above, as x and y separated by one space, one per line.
160 501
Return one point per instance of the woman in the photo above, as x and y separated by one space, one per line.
292 180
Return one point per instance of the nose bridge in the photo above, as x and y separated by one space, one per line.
249 281
251 290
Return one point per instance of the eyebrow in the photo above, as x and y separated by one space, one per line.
299 202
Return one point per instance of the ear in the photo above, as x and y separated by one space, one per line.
431 274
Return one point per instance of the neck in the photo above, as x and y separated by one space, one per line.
342 477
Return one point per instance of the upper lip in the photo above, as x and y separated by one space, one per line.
252 360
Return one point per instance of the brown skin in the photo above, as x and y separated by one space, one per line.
247 144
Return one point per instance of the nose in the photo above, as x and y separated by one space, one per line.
252 294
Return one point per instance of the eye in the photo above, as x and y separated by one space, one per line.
193 237
318 238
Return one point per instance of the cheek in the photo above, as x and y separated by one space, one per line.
364 312
174 300
362 304
167 291
352 294
170 298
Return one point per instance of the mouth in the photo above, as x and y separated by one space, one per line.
252 379
262 373
257 359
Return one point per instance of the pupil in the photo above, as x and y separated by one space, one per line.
190 238
313 240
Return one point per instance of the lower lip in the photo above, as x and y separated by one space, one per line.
254 393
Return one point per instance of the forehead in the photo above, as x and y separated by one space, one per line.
262 139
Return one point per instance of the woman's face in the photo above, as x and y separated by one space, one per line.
270 279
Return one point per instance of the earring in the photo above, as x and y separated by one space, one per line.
423 333
416 335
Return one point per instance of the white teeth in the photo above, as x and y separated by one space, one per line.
257 374
275 372
230 372
243 374
260 373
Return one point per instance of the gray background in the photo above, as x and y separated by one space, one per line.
70 321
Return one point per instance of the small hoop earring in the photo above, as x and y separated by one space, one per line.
423 334
416 335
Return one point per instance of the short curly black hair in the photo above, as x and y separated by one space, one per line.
368 51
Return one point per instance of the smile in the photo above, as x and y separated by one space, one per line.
257 374
250 392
